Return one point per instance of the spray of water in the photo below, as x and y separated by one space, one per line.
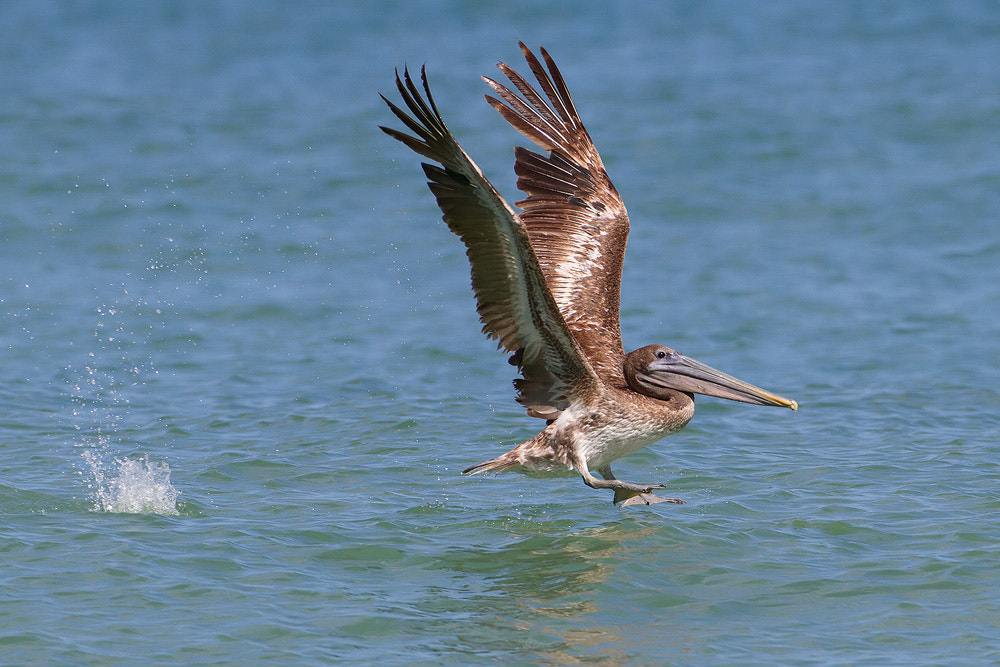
115 369
131 486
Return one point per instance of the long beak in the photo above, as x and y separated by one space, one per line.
685 374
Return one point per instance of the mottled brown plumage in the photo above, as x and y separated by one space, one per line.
547 282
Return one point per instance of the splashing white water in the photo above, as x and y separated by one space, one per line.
116 366
132 486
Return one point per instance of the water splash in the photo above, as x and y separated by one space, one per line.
131 486
116 370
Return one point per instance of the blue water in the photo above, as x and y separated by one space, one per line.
242 368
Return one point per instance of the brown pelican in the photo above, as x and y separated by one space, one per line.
547 282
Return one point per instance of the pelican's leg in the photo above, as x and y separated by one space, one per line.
626 493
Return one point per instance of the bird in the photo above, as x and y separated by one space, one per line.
547 281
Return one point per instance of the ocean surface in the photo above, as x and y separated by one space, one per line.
242 370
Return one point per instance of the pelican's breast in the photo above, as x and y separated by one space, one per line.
626 424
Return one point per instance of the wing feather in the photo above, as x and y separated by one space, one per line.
575 219
512 297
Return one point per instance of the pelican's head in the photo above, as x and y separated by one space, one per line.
655 369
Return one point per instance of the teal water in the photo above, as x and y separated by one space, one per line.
242 366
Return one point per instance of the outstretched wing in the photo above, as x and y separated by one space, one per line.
514 304
575 219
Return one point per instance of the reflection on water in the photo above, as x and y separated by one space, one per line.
551 570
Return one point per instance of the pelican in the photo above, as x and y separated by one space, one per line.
547 281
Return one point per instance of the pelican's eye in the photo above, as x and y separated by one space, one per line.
661 354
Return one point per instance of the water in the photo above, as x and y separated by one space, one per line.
242 367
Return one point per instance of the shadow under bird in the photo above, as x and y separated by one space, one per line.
547 281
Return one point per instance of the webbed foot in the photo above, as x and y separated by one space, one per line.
627 498
628 493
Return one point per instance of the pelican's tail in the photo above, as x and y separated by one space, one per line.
497 465
535 458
